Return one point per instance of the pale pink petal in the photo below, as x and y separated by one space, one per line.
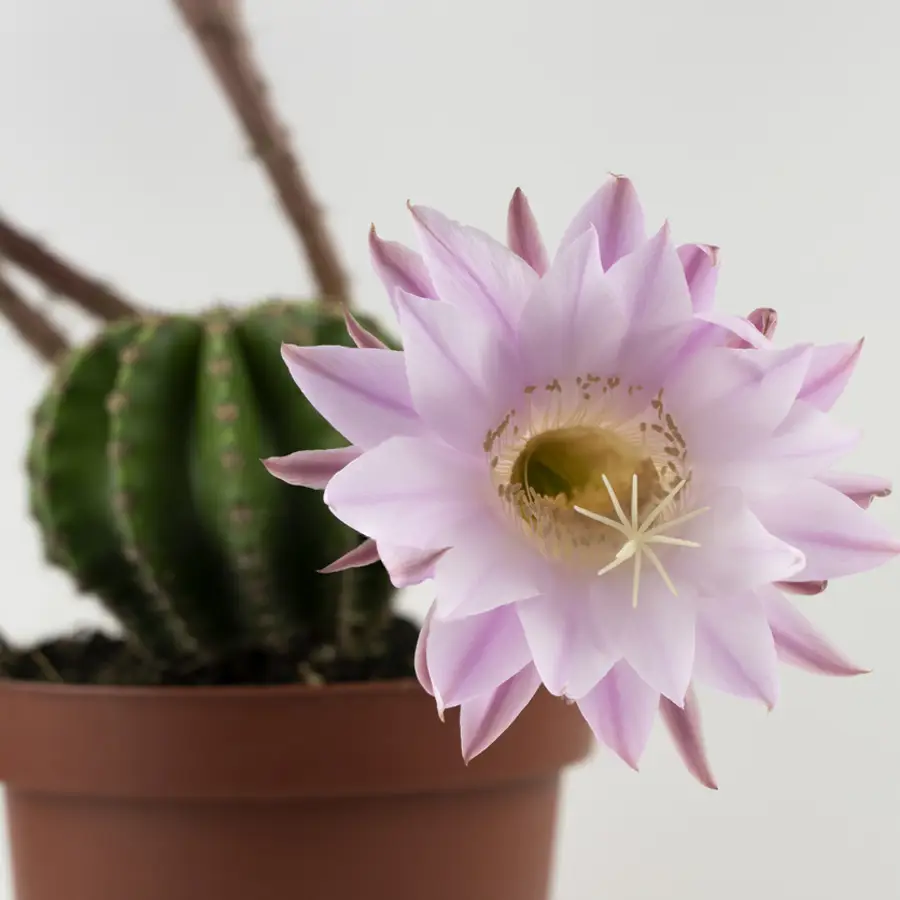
726 330
453 364
408 491
398 267
420 661
736 551
735 651
652 357
471 657
364 394
473 271
488 566
652 285
829 372
802 588
806 443
685 727
836 536
615 213
362 337
763 320
568 659
483 719
407 566
861 489
364 554
799 643
311 468
574 322
728 402
659 642
621 711
701 271
523 234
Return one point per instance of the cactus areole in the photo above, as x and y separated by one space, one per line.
147 485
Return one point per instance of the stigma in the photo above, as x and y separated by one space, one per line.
640 535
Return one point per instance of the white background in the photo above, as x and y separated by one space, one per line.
768 128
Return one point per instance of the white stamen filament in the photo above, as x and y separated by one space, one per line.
639 536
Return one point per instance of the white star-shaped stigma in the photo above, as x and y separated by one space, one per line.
639 536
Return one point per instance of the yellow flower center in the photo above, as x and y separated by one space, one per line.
563 458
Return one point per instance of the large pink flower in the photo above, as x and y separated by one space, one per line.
611 483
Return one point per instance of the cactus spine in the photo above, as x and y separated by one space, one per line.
147 485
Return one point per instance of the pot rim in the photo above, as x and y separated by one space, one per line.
265 742
385 686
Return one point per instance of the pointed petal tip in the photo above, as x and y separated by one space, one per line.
362 555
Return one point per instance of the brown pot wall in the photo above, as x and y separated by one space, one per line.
353 792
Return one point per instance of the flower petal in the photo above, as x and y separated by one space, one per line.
685 727
861 489
735 650
652 285
311 468
615 213
798 643
829 372
523 234
701 272
420 660
659 642
473 271
408 491
736 552
574 322
363 554
834 533
727 402
806 443
364 394
762 321
470 657
488 566
398 267
621 711
362 337
802 588
566 656
407 566
454 366
483 719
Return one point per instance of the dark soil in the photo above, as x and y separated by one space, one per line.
95 658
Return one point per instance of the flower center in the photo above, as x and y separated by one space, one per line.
567 465
572 450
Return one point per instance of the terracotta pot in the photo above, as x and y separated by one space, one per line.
353 792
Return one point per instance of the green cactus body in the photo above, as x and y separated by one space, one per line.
147 484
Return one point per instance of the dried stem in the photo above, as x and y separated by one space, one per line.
60 276
36 330
220 33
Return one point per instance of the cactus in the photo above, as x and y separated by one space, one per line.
147 485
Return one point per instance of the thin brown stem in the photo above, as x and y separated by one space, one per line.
219 31
60 276
37 331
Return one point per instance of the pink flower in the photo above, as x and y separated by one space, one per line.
610 482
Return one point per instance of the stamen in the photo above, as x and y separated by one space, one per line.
639 537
